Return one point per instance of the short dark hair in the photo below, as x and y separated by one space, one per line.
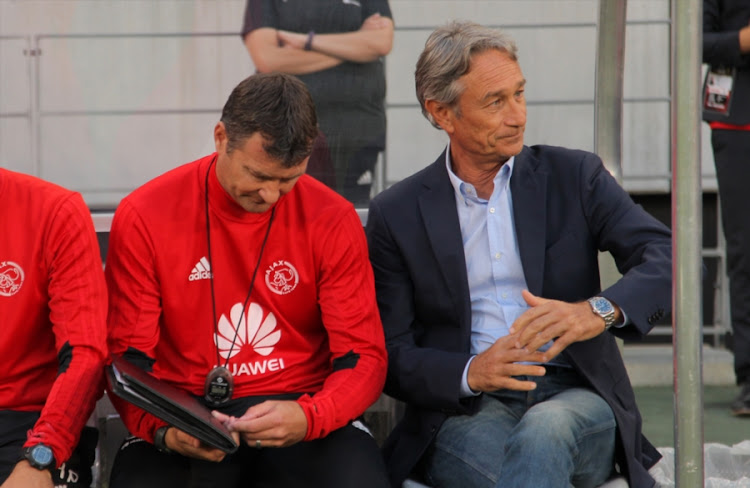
280 107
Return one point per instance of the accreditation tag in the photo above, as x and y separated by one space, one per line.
717 90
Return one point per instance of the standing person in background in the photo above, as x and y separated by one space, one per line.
726 108
53 310
335 47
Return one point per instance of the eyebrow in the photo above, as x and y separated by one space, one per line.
498 93
263 176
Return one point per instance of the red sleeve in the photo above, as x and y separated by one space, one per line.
346 293
78 307
134 304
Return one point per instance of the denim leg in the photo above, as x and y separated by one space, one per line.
566 440
555 436
468 450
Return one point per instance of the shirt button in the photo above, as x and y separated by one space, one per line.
492 210
505 295
497 255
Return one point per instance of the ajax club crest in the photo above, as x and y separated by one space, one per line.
11 278
281 277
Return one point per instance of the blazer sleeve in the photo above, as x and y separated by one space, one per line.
640 245
412 350
721 43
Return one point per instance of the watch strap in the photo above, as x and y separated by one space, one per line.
160 440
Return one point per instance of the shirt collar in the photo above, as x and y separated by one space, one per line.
466 191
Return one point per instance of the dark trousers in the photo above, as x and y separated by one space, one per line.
345 458
75 472
732 157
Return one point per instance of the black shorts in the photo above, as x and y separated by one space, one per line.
345 458
74 473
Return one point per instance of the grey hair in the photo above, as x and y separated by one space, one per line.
447 56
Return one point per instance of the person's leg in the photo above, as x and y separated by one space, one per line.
469 449
345 458
568 439
357 184
139 465
732 172
560 426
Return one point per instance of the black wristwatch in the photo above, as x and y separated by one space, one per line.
159 440
40 456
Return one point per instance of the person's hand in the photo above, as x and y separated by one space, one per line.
745 39
291 39
187 445
275 423
563 322
26 476
375 21
494 368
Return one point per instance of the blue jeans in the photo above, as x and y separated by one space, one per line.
561 434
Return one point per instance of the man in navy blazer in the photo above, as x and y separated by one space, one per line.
500 340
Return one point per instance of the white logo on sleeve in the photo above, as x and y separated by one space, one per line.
11 278
201 270
282 277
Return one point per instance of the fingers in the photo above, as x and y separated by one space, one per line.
274 423
554 320
496 367
187 445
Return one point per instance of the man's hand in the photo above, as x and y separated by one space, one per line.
563 322
26 476
275 423
374 22
187 445
745 39
291 39
493 369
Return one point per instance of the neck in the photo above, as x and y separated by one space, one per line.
480 175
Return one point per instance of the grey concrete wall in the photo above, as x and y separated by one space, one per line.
102 96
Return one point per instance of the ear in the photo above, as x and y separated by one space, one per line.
220 138
442 114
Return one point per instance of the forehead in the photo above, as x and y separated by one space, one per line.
492 71
251 155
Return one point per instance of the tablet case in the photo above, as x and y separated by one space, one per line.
171 404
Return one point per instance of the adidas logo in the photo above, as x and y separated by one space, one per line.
201 271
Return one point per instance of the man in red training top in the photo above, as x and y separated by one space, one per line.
53 306
247 283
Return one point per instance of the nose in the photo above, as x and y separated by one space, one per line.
270 192
517 113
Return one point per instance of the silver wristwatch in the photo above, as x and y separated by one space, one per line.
604 309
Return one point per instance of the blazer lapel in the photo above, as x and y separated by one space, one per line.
437 205
528 187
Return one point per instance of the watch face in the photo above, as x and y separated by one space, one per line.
41 455
602 305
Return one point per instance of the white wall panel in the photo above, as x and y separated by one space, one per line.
104 157
645 153
162 73
647 61
413 143
15 82
15 144
568 125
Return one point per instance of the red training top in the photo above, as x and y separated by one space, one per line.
53 306
313 298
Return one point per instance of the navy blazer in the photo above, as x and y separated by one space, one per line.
567 208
